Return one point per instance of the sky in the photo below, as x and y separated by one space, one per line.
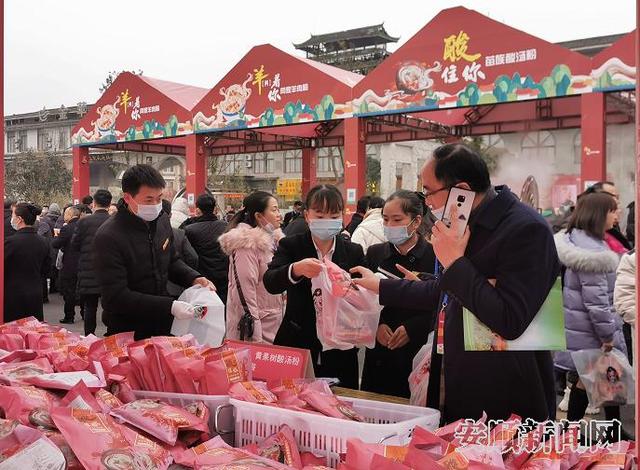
59 52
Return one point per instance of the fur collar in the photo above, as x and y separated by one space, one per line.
246 237
591 258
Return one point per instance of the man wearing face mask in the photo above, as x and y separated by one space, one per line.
501 270
135 257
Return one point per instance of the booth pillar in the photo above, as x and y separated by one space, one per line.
309 169
355 163
593 129
196 162
81 173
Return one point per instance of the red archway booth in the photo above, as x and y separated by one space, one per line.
136 113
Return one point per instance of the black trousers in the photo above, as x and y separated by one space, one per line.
68 287
90 304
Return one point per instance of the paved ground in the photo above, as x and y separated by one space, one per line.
53 312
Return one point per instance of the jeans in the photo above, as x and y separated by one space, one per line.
90 302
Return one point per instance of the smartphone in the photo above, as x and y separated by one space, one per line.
462 199
388 274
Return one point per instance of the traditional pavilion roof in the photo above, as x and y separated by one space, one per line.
358 37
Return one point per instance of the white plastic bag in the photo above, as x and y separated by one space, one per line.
209 325
607 377
419 377
347 316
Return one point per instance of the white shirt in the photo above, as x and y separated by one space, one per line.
319 252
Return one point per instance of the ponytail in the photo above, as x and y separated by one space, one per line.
237 219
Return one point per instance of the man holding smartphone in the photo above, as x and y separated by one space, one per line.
501 268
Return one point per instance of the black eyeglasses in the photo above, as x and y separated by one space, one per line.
426 193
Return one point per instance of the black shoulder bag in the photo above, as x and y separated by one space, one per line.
245 325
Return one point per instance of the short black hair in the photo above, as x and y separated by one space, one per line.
325 198
206 203
298 203
87 200
457 163
9 203
363 204
376 203
102 198
83 208
141 175
28 212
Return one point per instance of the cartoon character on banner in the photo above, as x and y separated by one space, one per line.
230 109
104 128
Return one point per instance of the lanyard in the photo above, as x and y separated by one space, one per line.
441 314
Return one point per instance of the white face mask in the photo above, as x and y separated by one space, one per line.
438 213
149 212
14 224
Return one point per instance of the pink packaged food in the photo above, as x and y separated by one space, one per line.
11 341
107 401
180 365
20 355
81 397
329 405
217 454
61 443
52 340
112 346
253 392
160 420
102 444
119 386
19 371
200 410
221 371
280 447
27 448
360 454
67 380
311 460
29 405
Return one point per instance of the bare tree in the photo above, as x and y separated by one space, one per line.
39 177
111 77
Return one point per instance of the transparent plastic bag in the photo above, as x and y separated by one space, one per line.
346 316
208 326
419 377
607 377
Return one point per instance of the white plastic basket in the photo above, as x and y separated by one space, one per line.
325 436
221 420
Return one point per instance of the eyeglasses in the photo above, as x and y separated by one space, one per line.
427 194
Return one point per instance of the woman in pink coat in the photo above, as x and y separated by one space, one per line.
250 242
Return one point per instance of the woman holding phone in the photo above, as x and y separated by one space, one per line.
402 331
298 260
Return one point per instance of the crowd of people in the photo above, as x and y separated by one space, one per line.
136 256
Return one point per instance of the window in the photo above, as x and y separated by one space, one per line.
11 142
22 141
292 161
263 162
539 146
493 141
63 139
44 139
324 159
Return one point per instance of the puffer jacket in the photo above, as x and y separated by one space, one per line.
253 249
370 231
624 295
179 212
590 318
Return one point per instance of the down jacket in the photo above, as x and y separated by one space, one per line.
624 296
590 318
370 231
253 249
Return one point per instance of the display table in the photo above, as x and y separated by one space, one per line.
349 393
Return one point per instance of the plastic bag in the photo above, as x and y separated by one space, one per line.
419 377
24 447
607 377
346 316
208 326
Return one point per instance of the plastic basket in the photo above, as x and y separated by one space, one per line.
325 436
221 421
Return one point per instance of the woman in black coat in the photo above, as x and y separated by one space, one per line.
295 263
26 260
402 330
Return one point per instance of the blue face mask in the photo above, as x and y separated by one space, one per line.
397 235
325 229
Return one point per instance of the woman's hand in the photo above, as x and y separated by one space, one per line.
384 335
308 267
399 338
607 347
408 275
368 280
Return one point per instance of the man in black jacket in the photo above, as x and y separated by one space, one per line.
203 235
70 257
289 217
8 212
358 217
501 270
82 242
134 257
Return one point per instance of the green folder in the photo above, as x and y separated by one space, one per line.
545 333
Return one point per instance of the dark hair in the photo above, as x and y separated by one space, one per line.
254 202
591 213
598 188
376 203
83 208
206 203
28 212
87 200
413 205
325 198
102 198
166 207
363 204
9 203
298 203
141 175
457 163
